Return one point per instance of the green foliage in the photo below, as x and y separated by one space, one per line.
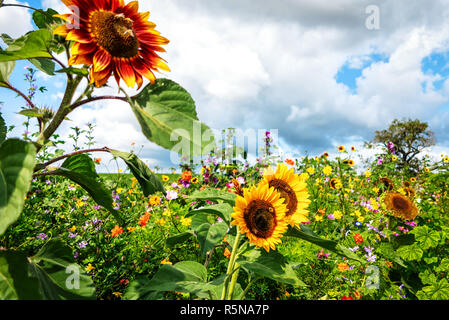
165 112
17 160
34 44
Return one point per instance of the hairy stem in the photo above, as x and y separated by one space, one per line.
9 86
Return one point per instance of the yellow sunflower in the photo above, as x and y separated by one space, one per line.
293 189
115 39
401 206
335 183
260 215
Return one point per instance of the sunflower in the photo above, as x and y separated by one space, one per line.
260 215
335 183
341 148
195 180
115 39
401 206
293 189
326 154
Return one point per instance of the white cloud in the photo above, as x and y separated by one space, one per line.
15 21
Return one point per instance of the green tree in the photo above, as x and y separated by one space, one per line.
409 137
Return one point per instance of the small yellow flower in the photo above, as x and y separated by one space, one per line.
394 158
310 170
338 215
360 219
166 261
120 170
165 178
341 149
117 294
186 221
119 190
446 159
413 179
72 229
318 218
131 229
367 174
89 268
327 170
342 266
162 222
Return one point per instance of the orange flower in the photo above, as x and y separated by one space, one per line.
342 266
290 162
143 220
186 175
116 231
115 39
98 160
227 253
358 238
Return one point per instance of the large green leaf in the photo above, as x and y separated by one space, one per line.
45 65
81 169
15 281
426 237
411 252
165 108
6 68
436 291
271 265
17 159
214 195
306 234
209 235
44 19
34 44
60 278
222 210
148 181
178 238
185 276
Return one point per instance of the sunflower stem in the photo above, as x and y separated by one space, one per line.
231 264
233 280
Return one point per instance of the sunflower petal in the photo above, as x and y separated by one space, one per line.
126 72
101 61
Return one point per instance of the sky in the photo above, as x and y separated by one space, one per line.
322 73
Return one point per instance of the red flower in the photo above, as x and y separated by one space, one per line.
346 298
116 231
290 162
358 238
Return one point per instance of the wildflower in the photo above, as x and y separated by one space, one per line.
227 253
165 178
171 195
401 206
82 245
358 238
341 149
89 268
186 175
154 201
338 215
290 162
143 220
325 154
342 266
131 229
161 221
117 294
310 170
97 160
388 264
321 254
186 221
394 158
72 229
124 282
116 231
347 298
327 170
318 218
166 261
367 174
194 180
42 236
335 183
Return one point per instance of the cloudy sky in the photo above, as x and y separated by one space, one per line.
324 73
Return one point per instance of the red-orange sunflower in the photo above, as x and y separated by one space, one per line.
115 39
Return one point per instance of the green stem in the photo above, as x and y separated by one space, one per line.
235 275
231 264
250 283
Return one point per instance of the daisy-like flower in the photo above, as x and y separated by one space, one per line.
260 215
113 38
401 206
293 190
341 148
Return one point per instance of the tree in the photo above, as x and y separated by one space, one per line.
406 138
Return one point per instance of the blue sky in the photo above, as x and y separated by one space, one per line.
308 68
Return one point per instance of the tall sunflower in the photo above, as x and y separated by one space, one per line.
292 189
401 206
260 215
115 39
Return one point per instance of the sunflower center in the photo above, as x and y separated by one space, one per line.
400 203
115 33
260 217
287 194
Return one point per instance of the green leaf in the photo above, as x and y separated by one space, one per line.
437 291
271 265
3 129
44 19
178 238
214 195
58 274
139 289
165 108
211 235
411 252
426 237
45 65
32 113
15 281
81 169
148 181
222 210
443 266
6 68
32 45
17 159
306 234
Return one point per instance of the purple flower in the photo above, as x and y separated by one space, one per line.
370 257
82 244
72 235
42 236
47 181
380 161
